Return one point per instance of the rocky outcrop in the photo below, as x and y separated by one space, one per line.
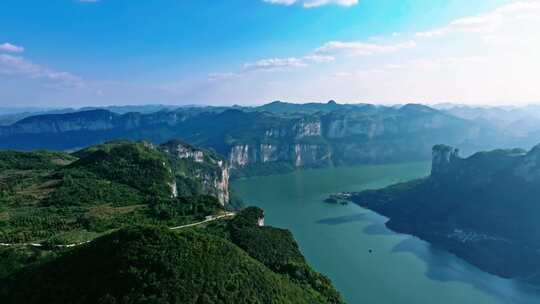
443 158
310 155
204 167
185 151
307 128
222 184
174 189
269 153
239 155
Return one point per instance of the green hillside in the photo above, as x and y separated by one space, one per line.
67 198
155 265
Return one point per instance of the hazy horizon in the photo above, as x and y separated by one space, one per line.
252 52
441 105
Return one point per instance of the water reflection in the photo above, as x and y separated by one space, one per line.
442 266
339 220
377 229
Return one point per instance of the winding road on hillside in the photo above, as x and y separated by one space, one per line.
209 219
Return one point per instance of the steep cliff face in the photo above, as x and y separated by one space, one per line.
197 171
342 126
307 128
443 159
311 155
239 155
393 134
222 184
297 142
297 154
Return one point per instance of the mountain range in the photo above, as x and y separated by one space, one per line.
276 137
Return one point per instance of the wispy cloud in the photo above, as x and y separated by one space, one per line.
362 48
15 66
8 47
275 64
324 54
222 76
313 3
490 22
317 58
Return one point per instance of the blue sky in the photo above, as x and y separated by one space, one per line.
100 52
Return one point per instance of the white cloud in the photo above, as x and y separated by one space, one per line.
316 58
362 48
15 66
324 54
275 64
490 22
8 47
222 76
313 3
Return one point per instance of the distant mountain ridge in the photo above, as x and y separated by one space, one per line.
518 122
11 115
276 137
483 208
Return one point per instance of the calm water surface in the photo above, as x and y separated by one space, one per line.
336 240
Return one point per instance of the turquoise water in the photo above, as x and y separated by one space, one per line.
336 240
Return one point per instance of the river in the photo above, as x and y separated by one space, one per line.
367 262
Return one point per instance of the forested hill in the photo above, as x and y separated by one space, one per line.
484 208
65 198
234 261
271 138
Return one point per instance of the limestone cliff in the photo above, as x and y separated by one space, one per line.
197 171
